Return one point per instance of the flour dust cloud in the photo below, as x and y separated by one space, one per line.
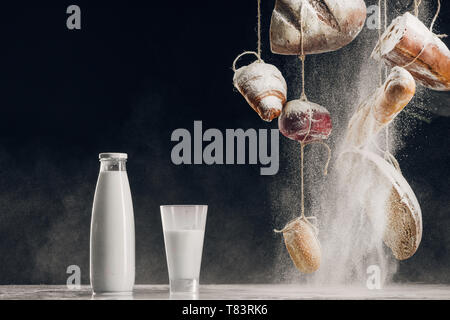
350 235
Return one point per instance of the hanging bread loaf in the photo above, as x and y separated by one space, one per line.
381 107
409 43
402 214
264 88
302 244
328 25
304 121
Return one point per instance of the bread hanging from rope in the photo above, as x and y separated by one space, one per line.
401 213
381 107
328 25
305 121
407 42
264 88
300 238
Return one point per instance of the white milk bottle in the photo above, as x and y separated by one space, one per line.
112 260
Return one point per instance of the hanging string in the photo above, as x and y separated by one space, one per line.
386 70
416 7
302 57
383 21
386 133
303 94
258 48
302 143
303 97
434 20
259 29
380 80
325 170
243 54
302 190
302 187
416 13
431 29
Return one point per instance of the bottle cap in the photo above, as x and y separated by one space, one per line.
112 155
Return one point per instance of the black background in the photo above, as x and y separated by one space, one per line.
134 73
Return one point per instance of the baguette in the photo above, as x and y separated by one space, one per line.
381 107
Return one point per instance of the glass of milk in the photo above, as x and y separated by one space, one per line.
184 228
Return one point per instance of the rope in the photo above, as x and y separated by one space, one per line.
431 30
302 190
416 7
388 156
417 57
302 187
303 94
302 156
436 16
416 13
305 219
259 28
258 53
302 57
380 80
325 170
387 126
243 54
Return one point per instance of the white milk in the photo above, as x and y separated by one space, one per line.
184 253
112 254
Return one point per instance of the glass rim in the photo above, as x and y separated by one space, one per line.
182 205
113 156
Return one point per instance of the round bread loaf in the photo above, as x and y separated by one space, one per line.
304 121
403 216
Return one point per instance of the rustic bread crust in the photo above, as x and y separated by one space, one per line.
264 88
303 246
381 107
403 215
407 42
328 25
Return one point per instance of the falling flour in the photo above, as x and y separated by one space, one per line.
351 239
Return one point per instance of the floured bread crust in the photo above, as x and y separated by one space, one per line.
264 88
303 246
381 107
304 121
407 42
402 215
328 25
